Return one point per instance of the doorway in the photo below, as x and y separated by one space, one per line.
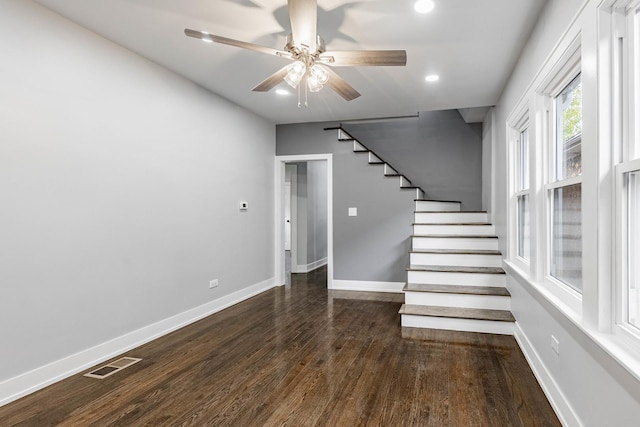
286 199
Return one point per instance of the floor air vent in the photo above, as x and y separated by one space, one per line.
113 367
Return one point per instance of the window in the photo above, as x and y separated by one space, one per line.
522 197
569 131
633 249
628 181
565 189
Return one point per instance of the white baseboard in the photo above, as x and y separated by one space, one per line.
556 398
367 286
29 382
309 267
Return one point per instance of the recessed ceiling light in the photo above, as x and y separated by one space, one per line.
424 6
432 78
282 92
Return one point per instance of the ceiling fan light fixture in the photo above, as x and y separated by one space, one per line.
295 73
314 84
320 73
424 6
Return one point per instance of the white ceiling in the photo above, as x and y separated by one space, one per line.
472 44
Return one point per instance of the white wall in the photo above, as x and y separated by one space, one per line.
119 185
585 383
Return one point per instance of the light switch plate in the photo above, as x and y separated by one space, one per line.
243 206
353 211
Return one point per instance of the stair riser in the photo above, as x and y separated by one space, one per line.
433 206
404 182
445 278
373 158
493 302
470 325
418 193
389 170
459 260
457 230
450 217
454 243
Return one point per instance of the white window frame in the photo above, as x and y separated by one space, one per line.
566 69
517 123
626 96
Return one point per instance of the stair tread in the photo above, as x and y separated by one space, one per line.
376 163
410 187
346 139
456 269
455 312
454 236
441 201
392 174
360 151
457 289
452 223
457 251
450 212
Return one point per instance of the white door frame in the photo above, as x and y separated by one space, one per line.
279 212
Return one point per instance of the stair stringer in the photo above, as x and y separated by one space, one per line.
374 159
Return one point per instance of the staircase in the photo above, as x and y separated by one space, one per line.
389 171
454 280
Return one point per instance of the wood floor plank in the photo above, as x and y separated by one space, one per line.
301 356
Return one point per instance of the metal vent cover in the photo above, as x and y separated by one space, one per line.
112 367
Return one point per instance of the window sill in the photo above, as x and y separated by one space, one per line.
612 345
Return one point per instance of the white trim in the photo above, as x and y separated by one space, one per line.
29 382
615 348
368 286
556 398
278 204
309 267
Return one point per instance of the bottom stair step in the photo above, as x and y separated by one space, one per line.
458 313
457 319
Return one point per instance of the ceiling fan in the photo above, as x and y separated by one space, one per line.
311 67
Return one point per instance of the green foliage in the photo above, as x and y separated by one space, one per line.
572 116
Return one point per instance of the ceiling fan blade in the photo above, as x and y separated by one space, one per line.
340 86
354 58
272 81
304 21
237 43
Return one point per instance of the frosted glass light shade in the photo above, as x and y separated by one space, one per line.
296 71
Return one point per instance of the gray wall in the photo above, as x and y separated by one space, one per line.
309 199
119 187
316 211
301 222
487 162
437 151
372 246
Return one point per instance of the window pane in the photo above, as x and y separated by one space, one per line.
569 131
523 226
566 235
523 183
633 260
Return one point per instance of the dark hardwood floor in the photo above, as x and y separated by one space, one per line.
303 356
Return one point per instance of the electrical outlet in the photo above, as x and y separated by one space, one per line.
555 345
213 283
